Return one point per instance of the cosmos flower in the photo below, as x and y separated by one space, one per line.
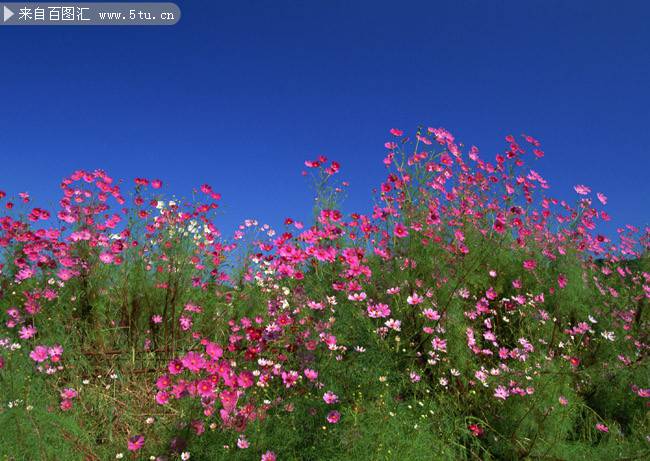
333 417
135 442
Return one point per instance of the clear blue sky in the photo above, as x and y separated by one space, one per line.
240 93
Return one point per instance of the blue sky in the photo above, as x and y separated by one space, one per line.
240 93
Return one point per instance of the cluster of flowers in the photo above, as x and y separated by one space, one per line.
441 202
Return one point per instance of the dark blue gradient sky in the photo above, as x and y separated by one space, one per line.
240 93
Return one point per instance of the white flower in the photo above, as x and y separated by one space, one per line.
119 456
393 324
185 455
608 335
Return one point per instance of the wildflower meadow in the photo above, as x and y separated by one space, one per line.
467 313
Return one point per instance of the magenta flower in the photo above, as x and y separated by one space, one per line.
162 397
39 354
501 393
185 322
242 442
289 378
439 344
193 361
311 375
333 417
175 367
205 388
27 332
602 428
400 231
213 350
431 314
530 264
68 393
163 382
65 404
414 299
330 398
135 443
106 257
376 311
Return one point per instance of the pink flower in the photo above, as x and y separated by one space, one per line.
205 388
268 456
290 378
499 226
582 189
27 332
394 324
311 375
213 350
602 198
68 393
501 393
193 361
106 257
602 428
242 442
175 367
156 318
39 354
414 299
530 264
135 443
439 344
65 405
333 417
563 400
162 397
185 322
55 351
400 231
376 311
396 132
330 340
330 398
431 314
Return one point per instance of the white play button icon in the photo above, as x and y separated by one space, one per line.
7 14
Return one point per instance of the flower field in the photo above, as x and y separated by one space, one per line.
468 313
